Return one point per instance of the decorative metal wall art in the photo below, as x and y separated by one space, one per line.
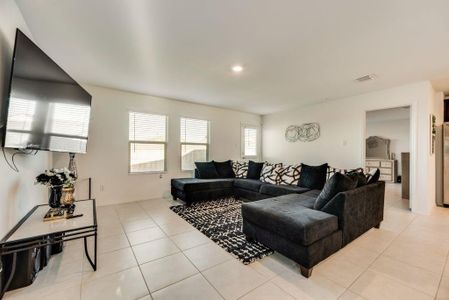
307 132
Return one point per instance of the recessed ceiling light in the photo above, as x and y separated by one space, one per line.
237 68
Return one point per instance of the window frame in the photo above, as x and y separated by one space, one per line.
242 141
130 142
194 144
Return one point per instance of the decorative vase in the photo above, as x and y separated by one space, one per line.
55 197
67 197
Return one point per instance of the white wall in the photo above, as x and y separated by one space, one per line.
342 141
18 194
397 131
106 160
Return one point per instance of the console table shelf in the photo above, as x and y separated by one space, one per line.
32 232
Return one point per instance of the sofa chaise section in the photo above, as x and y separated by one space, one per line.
286 217
289 224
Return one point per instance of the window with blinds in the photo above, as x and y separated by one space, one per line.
249 142
194 142
147 142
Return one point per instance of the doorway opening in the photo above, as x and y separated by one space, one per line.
387 148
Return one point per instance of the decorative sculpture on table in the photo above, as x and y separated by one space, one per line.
61 183
307 132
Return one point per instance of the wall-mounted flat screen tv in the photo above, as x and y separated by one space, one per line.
46 109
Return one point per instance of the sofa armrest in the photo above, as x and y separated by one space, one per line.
358 210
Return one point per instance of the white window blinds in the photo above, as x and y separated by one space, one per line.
194 142
194 131
249 142
147 142
147 127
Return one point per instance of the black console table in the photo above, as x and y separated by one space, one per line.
31 232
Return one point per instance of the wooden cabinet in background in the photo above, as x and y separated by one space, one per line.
388 168
405 170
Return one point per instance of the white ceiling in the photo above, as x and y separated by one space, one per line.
294 52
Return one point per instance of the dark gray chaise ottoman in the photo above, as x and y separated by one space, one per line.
191 190
289 224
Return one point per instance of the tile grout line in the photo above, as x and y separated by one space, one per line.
288 293
137 262
380 254
199 271
180 252
258 286
442 276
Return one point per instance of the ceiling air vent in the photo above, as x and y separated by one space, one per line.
366 78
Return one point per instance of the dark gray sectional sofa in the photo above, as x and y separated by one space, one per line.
285 218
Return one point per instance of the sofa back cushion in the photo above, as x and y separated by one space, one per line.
207 170
336 184
290 175
240 168
254 169
313 177
271 173
224 169
373 176
358 175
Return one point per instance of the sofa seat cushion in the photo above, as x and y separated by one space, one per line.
308 198
248 184
194 184
286 217
279 190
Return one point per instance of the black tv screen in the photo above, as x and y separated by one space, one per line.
46 109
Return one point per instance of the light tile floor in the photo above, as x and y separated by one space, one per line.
148 252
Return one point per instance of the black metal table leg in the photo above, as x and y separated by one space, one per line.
13 271
94 263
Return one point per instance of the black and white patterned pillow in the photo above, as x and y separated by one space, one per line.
240 168
271 173
290 175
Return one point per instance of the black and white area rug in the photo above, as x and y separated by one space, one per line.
221 221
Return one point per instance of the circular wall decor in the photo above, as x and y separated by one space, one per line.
309 132
305 133
291 133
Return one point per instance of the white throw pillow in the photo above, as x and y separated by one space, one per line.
290 175
271 173
240 168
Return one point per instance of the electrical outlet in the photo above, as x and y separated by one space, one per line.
160 176
101 188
